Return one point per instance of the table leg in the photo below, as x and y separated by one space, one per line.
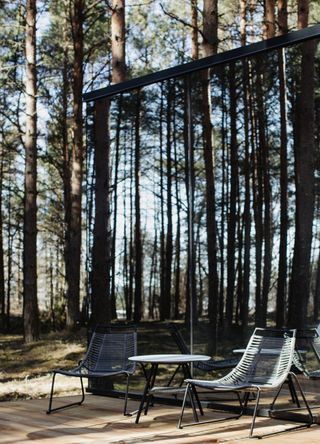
147 387
150 387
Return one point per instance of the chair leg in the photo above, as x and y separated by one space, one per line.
255 413
195 415
50 409
183 405
308 424
293 392
125 412
193 406
276 397
303 397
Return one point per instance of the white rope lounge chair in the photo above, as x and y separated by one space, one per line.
265 366
107 355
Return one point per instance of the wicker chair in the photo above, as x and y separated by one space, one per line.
107 355
265 366
205 366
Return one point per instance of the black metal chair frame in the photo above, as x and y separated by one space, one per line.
107 355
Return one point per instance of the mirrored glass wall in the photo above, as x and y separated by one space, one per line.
203 201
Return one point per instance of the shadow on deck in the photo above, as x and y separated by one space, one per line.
100 419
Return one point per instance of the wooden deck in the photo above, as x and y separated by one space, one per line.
99 420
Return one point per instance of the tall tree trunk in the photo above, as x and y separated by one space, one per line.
269 19
266 196
304 181
2 286
210 47
30 305
303 13
269 14
194 35
169 235
153 270
210 27
100 298
243 21
9 255
282 266
66 151
223 203
118 48
188 135
234 187
162 302
282 17
257 206
115 209
74 228
247 201
131 242
178 219
138 290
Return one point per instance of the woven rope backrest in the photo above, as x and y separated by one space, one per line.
109 351
267 358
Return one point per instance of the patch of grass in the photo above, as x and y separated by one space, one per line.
25 370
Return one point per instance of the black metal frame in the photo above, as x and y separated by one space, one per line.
243 408
72 404
206 62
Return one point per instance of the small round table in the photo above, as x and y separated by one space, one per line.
182 360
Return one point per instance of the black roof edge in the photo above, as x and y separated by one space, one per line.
206 62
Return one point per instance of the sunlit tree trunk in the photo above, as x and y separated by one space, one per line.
118 48
76 165
269 19
30 305
210 46
195 33
138 290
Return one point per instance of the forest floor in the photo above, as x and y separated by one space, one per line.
25 369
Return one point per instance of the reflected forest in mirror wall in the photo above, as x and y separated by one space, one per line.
195 197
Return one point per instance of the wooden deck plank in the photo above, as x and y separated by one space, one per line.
100 420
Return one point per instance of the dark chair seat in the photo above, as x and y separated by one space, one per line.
207 366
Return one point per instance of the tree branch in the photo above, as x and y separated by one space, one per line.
180 20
